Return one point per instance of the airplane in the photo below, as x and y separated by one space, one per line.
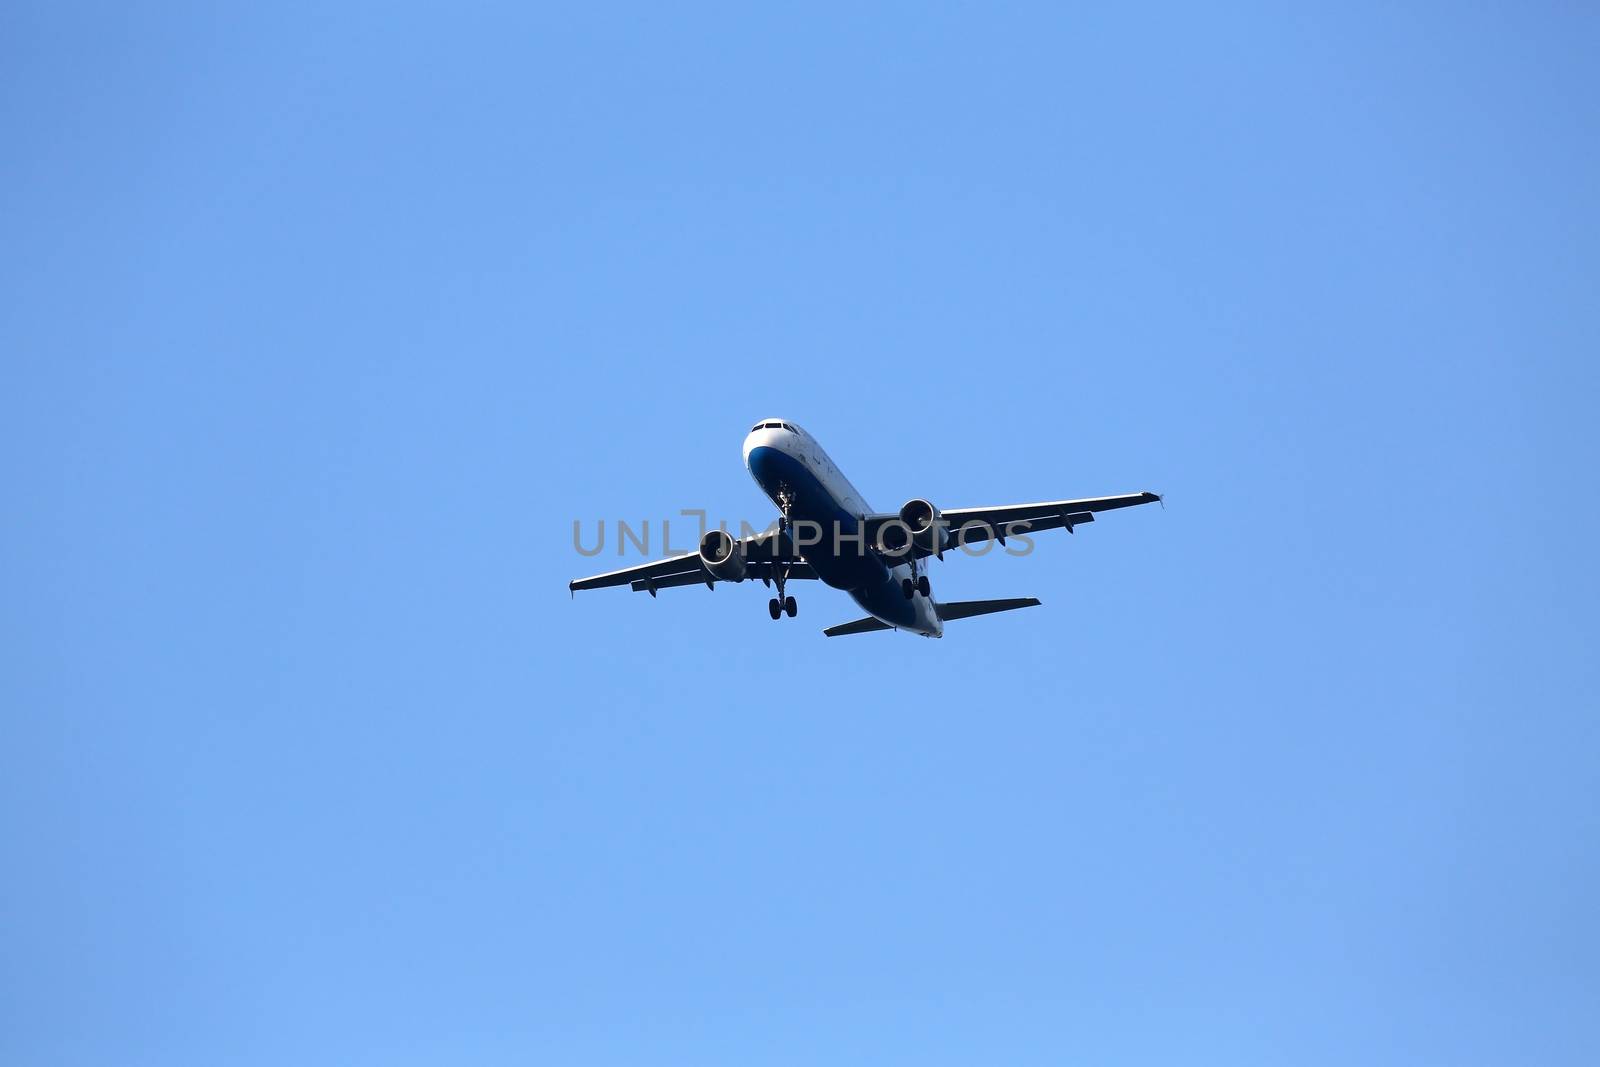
825 531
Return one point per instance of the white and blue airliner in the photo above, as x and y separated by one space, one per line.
826 531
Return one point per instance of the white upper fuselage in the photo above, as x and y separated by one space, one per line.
791 467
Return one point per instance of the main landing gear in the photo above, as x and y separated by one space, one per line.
910 587
779 606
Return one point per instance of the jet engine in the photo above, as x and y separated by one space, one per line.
721 556
927 533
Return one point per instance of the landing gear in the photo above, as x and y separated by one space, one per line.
785 505
917 583
782 605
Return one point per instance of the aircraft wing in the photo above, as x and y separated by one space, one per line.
764 555
969 526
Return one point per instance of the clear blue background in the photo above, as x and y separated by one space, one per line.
319 328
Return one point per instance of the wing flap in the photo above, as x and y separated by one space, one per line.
978 532
687 563
970 526
671 581
1002 513
753 570
762 551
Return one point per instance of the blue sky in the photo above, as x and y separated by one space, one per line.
319 328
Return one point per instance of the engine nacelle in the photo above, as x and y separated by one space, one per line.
721 556
928 533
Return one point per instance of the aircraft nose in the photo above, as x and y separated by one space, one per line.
753 440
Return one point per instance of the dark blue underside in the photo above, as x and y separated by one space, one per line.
842 565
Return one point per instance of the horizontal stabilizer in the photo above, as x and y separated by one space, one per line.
966 609
860 626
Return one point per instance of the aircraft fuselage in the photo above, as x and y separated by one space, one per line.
792 469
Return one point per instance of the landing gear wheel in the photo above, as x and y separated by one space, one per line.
922 584
781 604
907 588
